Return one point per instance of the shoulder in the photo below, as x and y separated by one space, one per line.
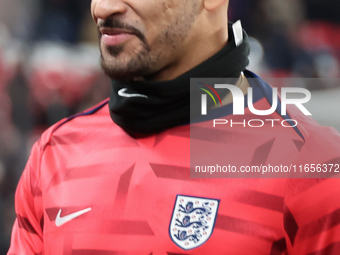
306 126
81 123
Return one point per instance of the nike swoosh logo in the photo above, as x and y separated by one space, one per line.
122 93
59 221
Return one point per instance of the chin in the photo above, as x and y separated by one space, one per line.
123 66
122 73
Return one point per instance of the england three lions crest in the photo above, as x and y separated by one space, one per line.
193 220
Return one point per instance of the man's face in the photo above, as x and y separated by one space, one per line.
141 37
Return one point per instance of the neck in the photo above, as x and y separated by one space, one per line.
159 105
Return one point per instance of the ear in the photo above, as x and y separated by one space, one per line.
212 5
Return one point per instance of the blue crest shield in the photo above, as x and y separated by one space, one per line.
193 220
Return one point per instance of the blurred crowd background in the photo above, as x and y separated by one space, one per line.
49 66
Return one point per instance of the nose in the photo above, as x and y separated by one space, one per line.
102 9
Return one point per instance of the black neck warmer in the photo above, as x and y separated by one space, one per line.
147 107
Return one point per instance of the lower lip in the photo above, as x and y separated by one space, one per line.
113 40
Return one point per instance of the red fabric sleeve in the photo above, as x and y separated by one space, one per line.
27 234
312 217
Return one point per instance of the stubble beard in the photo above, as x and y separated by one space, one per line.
148 59
126 68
